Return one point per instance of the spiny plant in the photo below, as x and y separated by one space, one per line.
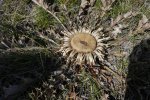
83 46
85 32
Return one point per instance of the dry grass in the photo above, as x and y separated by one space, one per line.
126 22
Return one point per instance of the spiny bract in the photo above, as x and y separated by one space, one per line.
83 46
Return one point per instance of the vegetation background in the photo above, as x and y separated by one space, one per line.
30 67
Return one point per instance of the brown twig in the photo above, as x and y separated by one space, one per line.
45 7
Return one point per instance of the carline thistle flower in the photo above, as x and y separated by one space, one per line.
83 46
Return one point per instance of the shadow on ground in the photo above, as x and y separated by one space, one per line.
24 69
138 78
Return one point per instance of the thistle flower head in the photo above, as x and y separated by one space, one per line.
83 46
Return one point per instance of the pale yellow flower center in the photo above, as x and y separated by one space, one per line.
83 42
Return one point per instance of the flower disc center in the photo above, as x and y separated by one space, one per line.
83 42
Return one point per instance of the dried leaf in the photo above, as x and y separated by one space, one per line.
71 96
118 18
84 3
92 2
128 14
104 3
119 54
147 26
116 31
144 19
105 97
142 25
41 3
107 3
